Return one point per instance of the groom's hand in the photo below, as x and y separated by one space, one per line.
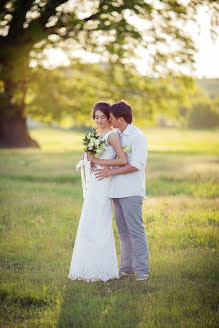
100 174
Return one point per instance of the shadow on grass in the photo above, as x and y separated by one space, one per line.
161 186
45 179
166 186
115 303
181 292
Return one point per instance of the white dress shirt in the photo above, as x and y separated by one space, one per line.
131 184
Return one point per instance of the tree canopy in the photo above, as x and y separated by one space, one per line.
112 29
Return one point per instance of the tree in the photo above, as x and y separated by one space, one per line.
101 26
66 94
202 112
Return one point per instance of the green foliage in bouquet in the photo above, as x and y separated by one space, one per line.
94 143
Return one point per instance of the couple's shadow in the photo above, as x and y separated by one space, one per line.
102 304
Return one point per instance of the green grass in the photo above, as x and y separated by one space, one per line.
40 201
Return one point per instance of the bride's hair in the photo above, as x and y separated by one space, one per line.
103 107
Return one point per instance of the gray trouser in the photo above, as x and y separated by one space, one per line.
133 240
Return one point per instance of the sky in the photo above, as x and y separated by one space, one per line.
207 57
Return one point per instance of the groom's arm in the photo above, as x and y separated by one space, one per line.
107 172
137 160
128 168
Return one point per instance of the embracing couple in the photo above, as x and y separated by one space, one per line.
114 181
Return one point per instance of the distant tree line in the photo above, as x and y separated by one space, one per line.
66 94
202 111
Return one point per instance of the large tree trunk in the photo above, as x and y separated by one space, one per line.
13 127
14 132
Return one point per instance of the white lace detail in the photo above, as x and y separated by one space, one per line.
103 276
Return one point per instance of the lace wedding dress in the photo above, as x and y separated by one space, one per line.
94 256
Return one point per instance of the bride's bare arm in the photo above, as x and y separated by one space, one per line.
121 159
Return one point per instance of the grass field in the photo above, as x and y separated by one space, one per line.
41 200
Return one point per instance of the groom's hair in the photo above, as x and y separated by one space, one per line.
103 107
122 109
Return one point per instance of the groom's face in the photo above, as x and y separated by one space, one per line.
114 121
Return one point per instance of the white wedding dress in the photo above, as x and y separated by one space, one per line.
94 256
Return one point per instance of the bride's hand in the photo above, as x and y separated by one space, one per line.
91 158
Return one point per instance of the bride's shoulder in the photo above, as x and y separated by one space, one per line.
112 132
112 137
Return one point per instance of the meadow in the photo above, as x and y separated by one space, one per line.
41 200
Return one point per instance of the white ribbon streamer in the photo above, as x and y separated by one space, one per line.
84 178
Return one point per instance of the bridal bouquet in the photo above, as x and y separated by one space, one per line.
94 143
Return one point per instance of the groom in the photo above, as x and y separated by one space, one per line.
128 192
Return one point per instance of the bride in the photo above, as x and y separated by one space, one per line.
94 256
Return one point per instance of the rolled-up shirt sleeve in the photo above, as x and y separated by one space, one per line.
139 151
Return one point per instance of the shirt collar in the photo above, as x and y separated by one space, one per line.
127 130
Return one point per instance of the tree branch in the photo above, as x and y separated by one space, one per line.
106 11
2 5
48 11
21 7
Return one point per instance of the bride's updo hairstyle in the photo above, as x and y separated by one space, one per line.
103 107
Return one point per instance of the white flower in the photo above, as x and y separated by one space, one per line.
97 142
90 148
99 151
91 144
89 135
